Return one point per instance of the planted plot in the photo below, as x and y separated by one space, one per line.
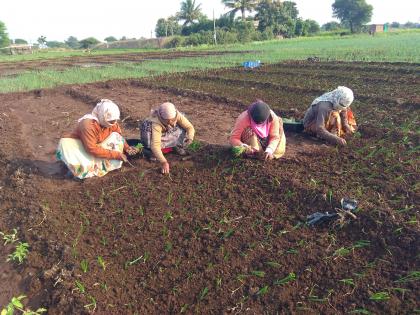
224 234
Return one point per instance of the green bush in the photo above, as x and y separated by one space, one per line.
174 42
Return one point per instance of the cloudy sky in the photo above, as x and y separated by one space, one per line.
57 19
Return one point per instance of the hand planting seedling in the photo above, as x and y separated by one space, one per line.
139 146
194 146
20 253
238 151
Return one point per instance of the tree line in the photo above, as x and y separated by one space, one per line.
267 19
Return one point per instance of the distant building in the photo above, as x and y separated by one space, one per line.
19 49
378 28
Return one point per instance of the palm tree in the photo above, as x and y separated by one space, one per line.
240 5
189 12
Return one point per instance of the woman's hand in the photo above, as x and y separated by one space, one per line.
165 167
132 151
342 142
123 157
268 156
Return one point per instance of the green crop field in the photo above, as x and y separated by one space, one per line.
391 47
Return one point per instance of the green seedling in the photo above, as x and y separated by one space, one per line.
273 264
360 311
134 261
92 305
84 265
168 216
290 277
168 247
184 308
194 146
341 252
139 146
379 296
80 286
348 281
16 304
101 262
228 233
9 238
203 293
263 290
238 151
411 276
258 273
361 244
20 253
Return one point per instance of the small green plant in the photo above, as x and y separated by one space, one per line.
139 146
203 293
379 296
360 311
411 276
168 216
84 265
9 238
348 281
101 262
16 304
92 305
273 264
290 277
263 290
238 151
20 253
194 146
80 286
134 261
258 273
341 252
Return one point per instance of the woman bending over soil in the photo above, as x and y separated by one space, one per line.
96 146
164 131
260 132
330 118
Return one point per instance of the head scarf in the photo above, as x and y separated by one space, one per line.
104 112
341 98
259 113
167 111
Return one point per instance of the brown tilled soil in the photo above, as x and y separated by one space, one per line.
219 235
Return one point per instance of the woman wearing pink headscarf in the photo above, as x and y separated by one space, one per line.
96 146
165 130
260 131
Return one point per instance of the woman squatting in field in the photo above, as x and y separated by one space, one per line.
166 130
330 118
96 146
260 131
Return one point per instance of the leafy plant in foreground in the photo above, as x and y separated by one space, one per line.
194 146
16 304
20 253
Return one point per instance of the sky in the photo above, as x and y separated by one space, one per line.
58 19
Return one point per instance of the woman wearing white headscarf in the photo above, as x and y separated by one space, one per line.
330 118
96 146
164 131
